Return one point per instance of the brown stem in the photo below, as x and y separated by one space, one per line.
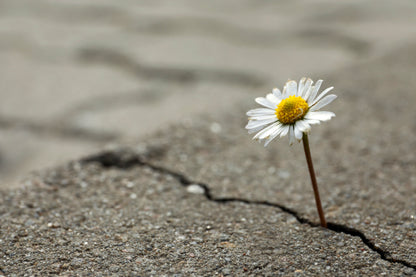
313 179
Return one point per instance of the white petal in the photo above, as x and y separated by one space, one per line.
277 93
262 117
273 99
273 135
291 135
266 131
257 123
321 115
267 142
322 103
320 96
284 94
260 111
307 93
308 85
255 130
291 88
266 103
298 132
313 92
285 130
303 125
312 121
301 86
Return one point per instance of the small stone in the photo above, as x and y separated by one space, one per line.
129 184
197 239
224 237
29 222
195 189
298 272
77 262
227 244
54 225
181 237
142 261
215 128
120 237
114 268
226 271
96 252
283 174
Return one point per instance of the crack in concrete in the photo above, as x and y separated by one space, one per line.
118 160
124 62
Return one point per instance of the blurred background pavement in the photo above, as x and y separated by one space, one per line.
76 76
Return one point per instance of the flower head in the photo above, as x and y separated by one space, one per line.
292 111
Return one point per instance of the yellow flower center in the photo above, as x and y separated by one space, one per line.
291 109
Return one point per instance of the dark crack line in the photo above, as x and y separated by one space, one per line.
113 159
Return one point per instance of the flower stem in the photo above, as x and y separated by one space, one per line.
313 179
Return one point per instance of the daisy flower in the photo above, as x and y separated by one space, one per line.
291 112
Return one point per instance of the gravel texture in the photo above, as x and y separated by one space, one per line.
81 219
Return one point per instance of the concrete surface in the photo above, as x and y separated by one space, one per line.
76 75
202 199
195 196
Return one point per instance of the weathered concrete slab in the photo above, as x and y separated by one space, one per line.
122 69
85 219
201 198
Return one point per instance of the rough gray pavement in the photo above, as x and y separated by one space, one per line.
202 199
195 196
75 76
